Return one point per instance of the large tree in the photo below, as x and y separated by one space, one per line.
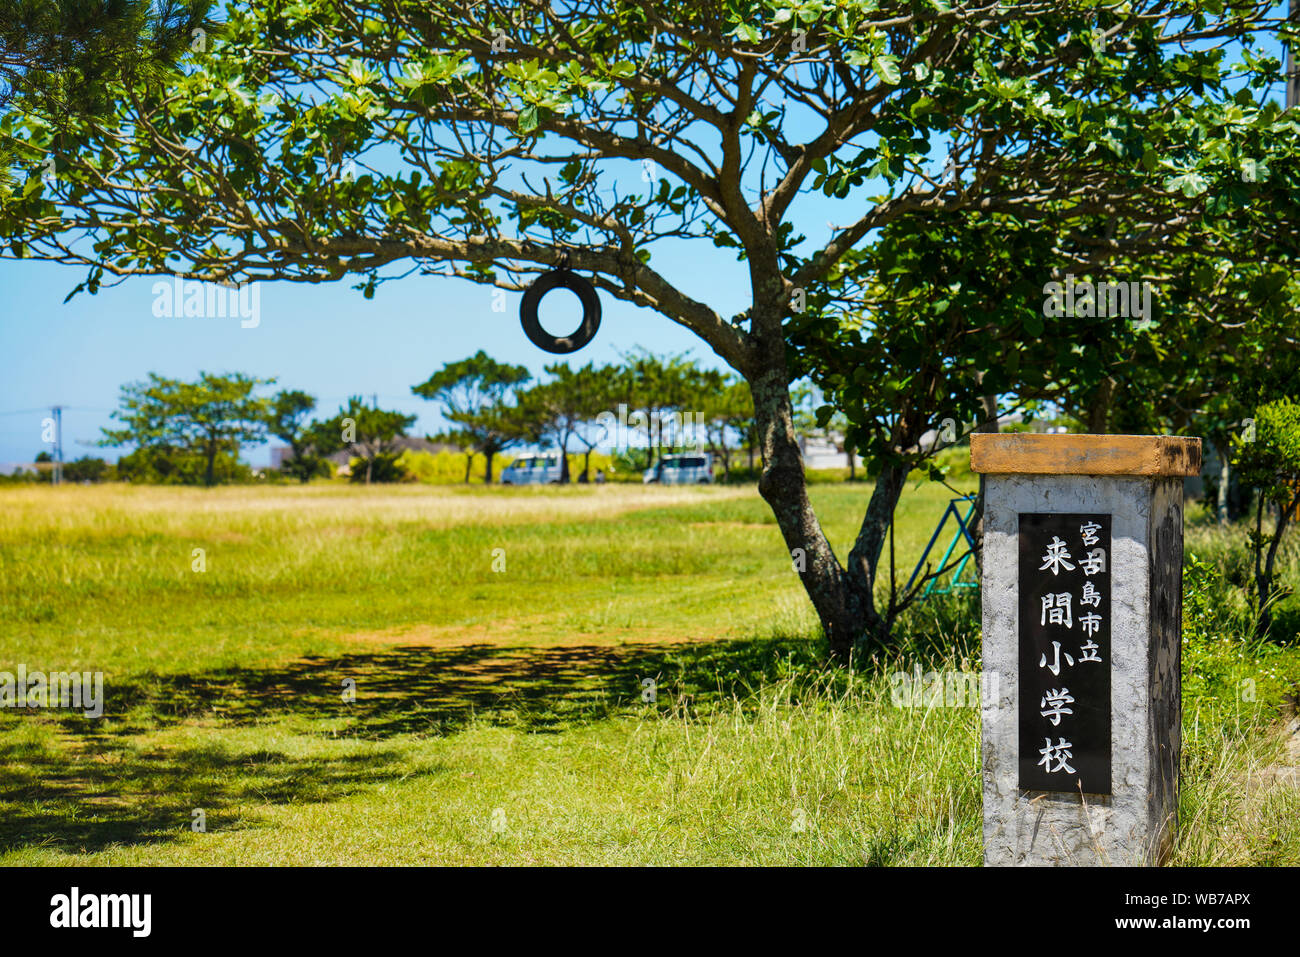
204 419
493 142
60 56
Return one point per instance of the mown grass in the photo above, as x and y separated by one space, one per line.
499 714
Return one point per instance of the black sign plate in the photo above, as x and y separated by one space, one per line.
1065 652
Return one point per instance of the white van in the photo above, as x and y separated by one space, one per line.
533 470
692 469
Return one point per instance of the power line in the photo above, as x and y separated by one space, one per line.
55 420
46 408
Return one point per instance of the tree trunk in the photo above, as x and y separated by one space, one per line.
656 427
487 479
565 476
1225 481
209 475
1099 414
469 466
842 599
864 558
1264 580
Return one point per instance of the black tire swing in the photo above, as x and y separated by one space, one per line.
559 277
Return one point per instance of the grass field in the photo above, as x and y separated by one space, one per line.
498 641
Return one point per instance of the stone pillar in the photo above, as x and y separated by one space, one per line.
1082 616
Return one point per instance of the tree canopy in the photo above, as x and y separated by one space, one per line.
325 140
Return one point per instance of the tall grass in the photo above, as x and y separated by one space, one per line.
520 691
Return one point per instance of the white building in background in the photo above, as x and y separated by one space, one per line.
825 451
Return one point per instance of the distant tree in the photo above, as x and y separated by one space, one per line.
474 395
368 434
596 388
45 475
287 421
165 418
85 469
728 411
382 468
659 387
565 408
1269 460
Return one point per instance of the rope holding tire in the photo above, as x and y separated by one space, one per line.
559 277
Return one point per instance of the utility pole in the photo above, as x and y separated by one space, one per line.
58 444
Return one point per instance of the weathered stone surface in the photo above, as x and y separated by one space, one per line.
1132 825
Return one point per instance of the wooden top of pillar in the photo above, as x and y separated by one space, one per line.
1032 453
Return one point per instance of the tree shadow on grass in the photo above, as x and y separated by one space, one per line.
81 800
98 784
423 690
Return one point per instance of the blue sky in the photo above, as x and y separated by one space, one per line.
325 339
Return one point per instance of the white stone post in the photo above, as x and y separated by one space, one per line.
1082 615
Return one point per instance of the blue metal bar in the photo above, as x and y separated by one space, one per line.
963 530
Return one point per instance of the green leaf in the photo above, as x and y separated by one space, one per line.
1191 184
886 67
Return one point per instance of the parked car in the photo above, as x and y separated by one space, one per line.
532 470
692 469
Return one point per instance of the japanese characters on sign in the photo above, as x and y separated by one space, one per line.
1065 710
